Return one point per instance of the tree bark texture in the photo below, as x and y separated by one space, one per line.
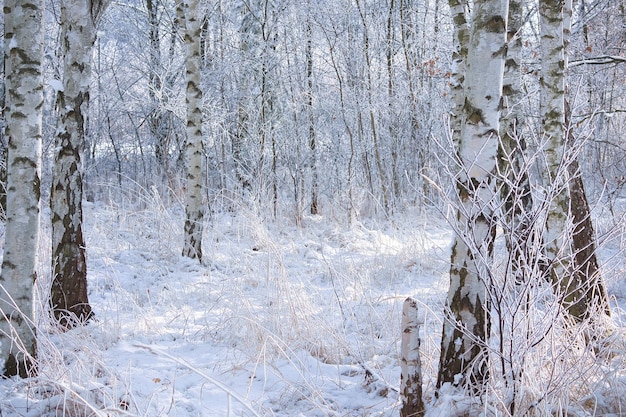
69 300
194 210
410 362
459 60
464 356
23 33
156 119
554 18
552 111
515 188
311 112
592 293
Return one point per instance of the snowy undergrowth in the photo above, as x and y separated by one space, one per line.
288 320
279 321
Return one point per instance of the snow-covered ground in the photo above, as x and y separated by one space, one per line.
281 320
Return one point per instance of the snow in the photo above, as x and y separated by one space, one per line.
281 320
56 85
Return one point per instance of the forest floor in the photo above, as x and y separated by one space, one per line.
280 320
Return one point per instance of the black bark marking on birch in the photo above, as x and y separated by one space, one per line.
475 115
495 25
8 265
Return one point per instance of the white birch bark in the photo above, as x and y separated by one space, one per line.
23 33
570 247
554 18
552 109
410 362
515 188
465 331
190 19
69 299
459 58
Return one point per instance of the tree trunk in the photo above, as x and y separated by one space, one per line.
314 209
515 185
23 37
464 355
552 113
593 294
412 59
4 148
459 60
410 362
69 300
156 118
372 116
194 209
554 20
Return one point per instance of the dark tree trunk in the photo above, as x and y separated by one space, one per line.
592 295
68 298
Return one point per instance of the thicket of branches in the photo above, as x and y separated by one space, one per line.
345 102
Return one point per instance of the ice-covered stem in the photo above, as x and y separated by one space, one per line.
410 362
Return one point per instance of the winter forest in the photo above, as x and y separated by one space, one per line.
313 208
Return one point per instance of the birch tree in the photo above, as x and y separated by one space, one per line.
23 37
515 188
311 114
464 356
570 249
189 16
69 300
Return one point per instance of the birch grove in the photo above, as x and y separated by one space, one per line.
347 119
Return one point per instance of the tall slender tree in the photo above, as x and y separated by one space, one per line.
569 244
69 299
552 109
464 355
23 37
314 209
514 186
190 20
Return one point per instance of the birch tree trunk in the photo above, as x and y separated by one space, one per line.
156 118
310 110
410 362
194 210
23 37
459 60
464 356
515 185
552 109
572 288
384 192
69 300
586 266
